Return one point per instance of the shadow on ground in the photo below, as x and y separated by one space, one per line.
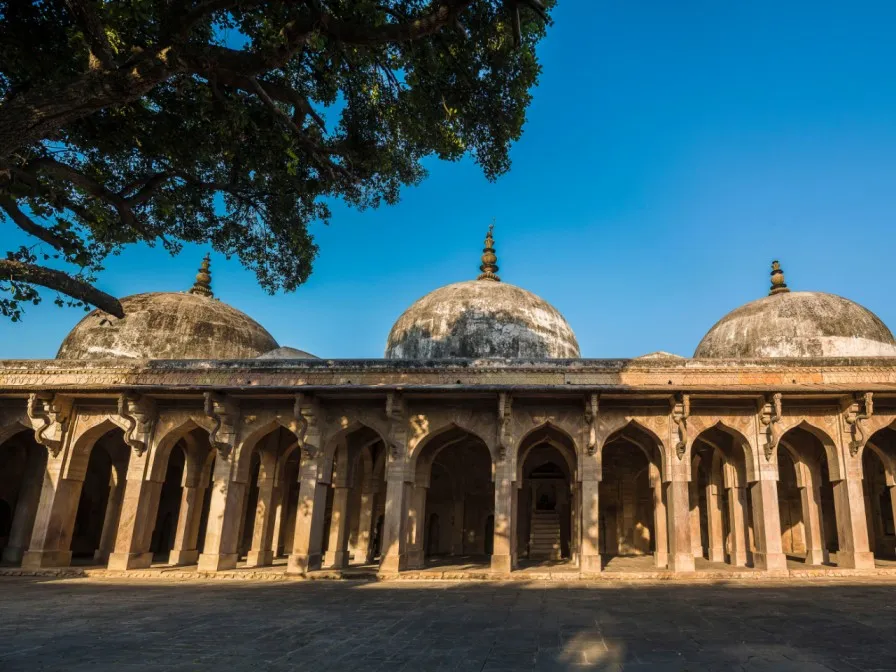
82 624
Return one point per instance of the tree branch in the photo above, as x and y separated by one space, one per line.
17 271
27 225
85 15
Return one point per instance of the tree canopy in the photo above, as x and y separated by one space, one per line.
235 122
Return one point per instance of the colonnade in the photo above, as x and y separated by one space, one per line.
225 481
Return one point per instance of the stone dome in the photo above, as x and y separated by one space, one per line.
285 352
169 325
483 318
797 324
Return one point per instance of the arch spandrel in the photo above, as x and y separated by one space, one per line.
342 421
88 427
13 419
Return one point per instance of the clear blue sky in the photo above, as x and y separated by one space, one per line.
672 150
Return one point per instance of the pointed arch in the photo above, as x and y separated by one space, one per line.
454 432
10 430
164 443
88 431
552 434
886 459
831 453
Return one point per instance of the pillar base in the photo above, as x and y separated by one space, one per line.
501 564
300 564
770 562
259 558
717 555
41 559
739 559
12 555
816 557
336 559
590 564
392 564
215 562
681 562
101 557
123 561
183 557
855 560
416 560
661 560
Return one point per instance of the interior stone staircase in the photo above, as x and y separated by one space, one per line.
544 536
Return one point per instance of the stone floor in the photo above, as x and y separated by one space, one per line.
103 624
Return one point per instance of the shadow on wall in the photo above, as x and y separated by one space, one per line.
474 335
484 626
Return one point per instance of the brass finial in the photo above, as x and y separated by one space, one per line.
489 266
203 284
778 284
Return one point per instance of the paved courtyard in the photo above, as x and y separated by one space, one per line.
104 624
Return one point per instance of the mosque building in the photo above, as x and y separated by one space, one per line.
184 435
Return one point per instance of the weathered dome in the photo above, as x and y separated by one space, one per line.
169 325
797 324
481 319
285 352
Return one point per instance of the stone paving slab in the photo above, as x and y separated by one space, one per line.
97 624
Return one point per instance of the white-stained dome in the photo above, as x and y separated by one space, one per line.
483 318
797 324
169 325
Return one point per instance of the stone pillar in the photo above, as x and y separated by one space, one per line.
660 529
113 513
261 553
810 496
137 519
51 538
417 530
279 514
892 490
457 528
394 545
737 515
681 554
26 505
361 550
185 550
852 526
505 522
219 552
308 537
337 548
767 524
590 550
715 533
694 511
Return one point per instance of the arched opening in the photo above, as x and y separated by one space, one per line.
454 481
720 510
879 486
165 530
100 498
629 493
546 497
285 520
366 500
23 463
805 499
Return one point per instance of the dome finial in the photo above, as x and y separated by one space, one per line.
778 284
489 266
203 284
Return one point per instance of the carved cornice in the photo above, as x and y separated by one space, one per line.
140 414
50 415
225 412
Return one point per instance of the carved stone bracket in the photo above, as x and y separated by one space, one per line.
50 414
225 411
681 410
140 412
855 414
396 415
592 409
505 416
770 417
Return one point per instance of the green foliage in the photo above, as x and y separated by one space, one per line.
234 123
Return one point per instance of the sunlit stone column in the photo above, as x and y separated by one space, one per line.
810 496
219 551
694 510
660 521
337 548
185 550
590 551
505 491
417 523
852 526
715 533
263 530
309 527
137 518
113 512
681 554
767 523
393 557
361 550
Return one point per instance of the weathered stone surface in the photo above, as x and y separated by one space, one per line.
798 324
285 352
168 325
481 319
